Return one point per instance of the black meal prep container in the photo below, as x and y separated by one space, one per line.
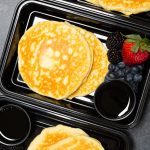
42 118
79 112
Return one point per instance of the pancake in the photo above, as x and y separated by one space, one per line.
126 7
96 2
52 135
77 143
54 59
99 67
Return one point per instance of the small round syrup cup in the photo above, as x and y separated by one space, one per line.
114 100
15 125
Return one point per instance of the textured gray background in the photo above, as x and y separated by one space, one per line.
140 135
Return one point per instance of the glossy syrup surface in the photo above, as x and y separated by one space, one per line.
114 100
15 123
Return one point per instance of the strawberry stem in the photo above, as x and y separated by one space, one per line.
140 43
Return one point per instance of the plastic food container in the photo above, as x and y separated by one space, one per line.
42 118
79 112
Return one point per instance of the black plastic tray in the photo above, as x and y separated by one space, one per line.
97 21
110 139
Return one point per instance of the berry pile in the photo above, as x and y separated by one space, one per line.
120 71
127 55
115 41
114 56
114 44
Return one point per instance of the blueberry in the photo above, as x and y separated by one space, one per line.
112 76
134 86
127 69
120 73
121 65
140 67
122 78
116 69
129 77
107 78
134 70
137 78
111 67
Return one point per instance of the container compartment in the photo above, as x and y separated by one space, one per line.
110 139
31 11
142 17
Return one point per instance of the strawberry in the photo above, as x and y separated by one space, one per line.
135 50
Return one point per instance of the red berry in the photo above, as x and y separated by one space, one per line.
131 58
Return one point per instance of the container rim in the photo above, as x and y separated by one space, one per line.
58 3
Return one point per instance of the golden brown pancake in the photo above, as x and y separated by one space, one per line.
77 143
96 2
99 67
126 7
54 59
52 135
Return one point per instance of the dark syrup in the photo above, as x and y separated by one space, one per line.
114 99
15 123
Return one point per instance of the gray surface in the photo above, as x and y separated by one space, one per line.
140 135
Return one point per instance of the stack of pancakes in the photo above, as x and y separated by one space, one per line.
59 60
126 7
63 137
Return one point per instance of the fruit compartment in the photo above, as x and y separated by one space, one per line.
110 139
29 12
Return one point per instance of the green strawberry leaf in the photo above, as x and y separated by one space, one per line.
148 48
136 47
134 36
142 44
145 48
146 40
131 40
145 45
